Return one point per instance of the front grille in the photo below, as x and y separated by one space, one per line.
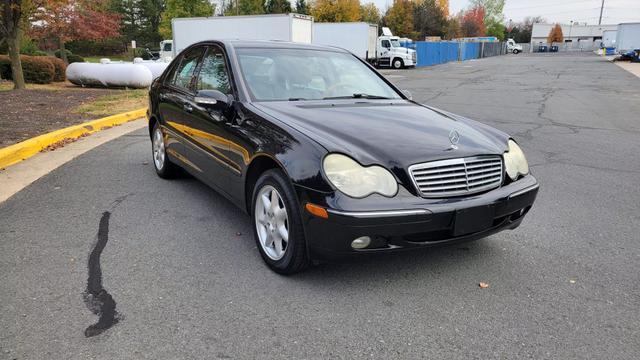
460 176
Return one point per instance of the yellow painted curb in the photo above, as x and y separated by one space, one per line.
26 149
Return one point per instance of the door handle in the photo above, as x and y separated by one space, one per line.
187 107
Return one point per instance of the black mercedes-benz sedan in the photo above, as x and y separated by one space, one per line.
327 156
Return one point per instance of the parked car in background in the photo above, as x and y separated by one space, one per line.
327 156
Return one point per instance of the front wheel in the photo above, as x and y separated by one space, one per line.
398 63
277 223
164 167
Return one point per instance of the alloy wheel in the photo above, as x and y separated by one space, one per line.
159 154
272 222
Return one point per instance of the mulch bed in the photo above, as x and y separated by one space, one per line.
28 113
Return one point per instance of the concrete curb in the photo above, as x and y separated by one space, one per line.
23 150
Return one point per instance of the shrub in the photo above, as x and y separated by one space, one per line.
60 68
36 69
39 53
75 58
28 47
99 47
57 53
5 67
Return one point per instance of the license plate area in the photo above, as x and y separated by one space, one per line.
472 220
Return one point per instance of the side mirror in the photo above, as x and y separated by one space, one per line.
209 98
407 93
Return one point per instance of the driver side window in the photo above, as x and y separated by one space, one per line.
213 74
184 72
386 44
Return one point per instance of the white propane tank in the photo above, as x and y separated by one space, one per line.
110 74
156 67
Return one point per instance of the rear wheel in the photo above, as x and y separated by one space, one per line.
164 167
398 63
277 222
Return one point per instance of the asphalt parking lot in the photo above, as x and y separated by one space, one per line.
181 264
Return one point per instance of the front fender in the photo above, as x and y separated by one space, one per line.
298 155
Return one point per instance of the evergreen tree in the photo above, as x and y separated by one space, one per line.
183 8
428 19
301 7
278 7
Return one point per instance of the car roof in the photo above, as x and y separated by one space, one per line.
274 44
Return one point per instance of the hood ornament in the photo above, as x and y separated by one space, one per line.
454 137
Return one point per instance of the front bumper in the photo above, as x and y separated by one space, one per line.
406 221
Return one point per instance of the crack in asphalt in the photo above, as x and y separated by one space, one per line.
95 297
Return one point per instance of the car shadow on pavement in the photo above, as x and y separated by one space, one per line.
450 260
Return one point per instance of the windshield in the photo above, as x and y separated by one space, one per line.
300 74
167 47
395 42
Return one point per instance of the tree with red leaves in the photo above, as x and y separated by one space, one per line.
67 20
472 23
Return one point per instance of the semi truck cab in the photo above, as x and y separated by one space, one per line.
166 50
391 53
513 47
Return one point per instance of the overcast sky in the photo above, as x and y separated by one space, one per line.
563 11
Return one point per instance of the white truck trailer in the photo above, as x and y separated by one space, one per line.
362 39
628 37
285 27
358 37
609 38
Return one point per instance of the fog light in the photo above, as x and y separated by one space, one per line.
361 242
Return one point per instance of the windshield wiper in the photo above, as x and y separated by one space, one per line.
297 99
357 96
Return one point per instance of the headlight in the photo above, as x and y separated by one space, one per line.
356 180
514 161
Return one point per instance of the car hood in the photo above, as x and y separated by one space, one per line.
392 133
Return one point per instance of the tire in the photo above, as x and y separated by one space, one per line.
516 51
161 162
268 224
397 63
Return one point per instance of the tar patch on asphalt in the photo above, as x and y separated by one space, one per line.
96 298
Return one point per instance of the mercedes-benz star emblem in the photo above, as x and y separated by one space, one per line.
454 137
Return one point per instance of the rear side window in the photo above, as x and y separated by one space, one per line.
213 72
184 72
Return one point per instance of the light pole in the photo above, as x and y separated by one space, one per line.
601 8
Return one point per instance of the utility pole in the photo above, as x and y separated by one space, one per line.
601 8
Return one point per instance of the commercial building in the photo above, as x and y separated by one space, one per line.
577 36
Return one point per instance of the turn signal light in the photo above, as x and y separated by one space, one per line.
316 210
